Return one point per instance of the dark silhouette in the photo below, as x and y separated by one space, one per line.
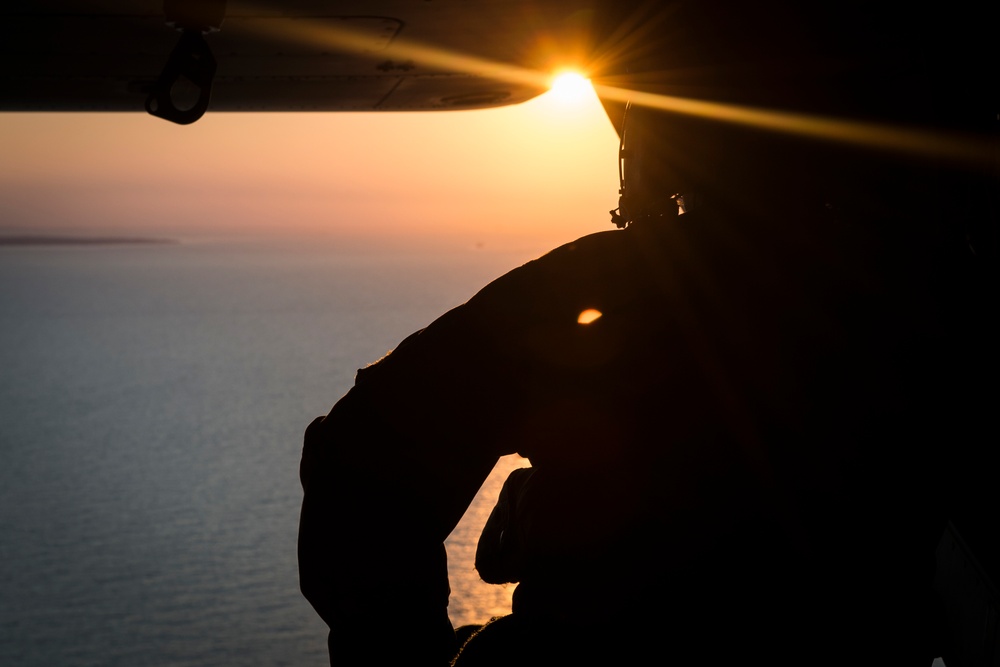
501 553
754 450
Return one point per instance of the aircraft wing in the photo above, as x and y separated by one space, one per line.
283 55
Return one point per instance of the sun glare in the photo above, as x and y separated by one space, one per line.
570 87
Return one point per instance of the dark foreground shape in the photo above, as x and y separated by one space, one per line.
741 444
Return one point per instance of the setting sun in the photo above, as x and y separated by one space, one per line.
570 87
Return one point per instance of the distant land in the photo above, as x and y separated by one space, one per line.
79 240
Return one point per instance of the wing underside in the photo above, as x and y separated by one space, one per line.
293 55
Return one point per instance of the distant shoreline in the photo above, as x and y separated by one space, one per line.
80 240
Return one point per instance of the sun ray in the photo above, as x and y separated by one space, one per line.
874 135
570 87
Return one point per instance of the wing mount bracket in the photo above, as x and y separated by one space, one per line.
184 88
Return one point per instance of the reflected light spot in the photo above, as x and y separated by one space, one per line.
588 316
570 87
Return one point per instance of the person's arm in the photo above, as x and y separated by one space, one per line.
386 476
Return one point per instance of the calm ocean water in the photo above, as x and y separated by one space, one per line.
152 403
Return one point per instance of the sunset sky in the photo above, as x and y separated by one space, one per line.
543 173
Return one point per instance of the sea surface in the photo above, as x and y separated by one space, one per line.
152 404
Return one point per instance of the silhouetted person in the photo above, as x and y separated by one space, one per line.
743 456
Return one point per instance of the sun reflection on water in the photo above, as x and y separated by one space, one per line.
472 599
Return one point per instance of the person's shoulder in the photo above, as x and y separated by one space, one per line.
584 255
603 243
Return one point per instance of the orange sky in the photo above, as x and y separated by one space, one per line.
543 172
